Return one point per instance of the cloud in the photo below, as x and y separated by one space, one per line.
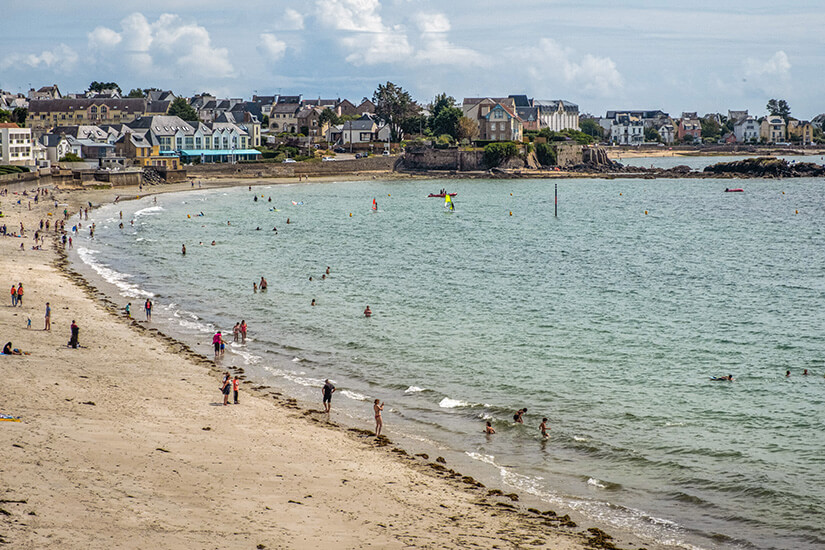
292 20
271 47
778 66
364 34
61 58
765 77
102 38
436 47
167 46
552 63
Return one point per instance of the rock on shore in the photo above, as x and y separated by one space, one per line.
767 167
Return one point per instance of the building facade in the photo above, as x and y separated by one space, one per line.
15 145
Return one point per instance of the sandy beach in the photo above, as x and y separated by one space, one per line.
124 443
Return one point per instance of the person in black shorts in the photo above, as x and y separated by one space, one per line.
328 390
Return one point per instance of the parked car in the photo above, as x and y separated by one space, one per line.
287 161
340 150
386 153
358 155
327 159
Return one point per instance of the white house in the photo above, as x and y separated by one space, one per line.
627 130
667 133
746 130
15 145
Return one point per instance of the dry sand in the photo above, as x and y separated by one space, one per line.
123 443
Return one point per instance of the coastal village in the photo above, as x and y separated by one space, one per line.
105 134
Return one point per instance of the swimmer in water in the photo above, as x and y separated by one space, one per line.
313 302
183 249
213 243
488 429
805 372
787 374
287 221
327 270
517 417
368 312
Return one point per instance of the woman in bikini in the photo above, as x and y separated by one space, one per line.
379 422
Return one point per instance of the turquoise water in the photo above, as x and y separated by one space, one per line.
607 320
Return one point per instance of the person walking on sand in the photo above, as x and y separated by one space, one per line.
543 428
48 317
235 384
225 387
379 422
148 308
20 295
74 340
327 392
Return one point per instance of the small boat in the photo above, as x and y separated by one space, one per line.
440 195
736 190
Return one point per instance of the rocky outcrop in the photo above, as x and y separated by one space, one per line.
767 167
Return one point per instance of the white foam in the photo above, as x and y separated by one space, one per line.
296 359
149 211
249 358
578 438
354 395
111 276
414 389
593 482
448 403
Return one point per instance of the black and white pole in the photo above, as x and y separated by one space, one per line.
557 201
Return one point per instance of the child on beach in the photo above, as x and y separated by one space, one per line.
217 341
225 386
488 429
379 422
235 383
129 310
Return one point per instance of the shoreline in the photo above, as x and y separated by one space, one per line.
474 500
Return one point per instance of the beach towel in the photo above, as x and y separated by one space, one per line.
8 418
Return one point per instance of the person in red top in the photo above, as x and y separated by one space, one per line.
235 383
20 294
13 295
242 328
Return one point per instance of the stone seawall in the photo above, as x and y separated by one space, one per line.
443 159
280 170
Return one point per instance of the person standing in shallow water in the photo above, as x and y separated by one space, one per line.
148 308
327 392
379 422
368 312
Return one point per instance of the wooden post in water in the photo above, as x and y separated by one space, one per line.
557 201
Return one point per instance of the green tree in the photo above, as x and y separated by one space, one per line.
651 134
136 93
328 116
393 105
779 107
467 129
591 128
5 116
546 154
96 86
182 109
441 101
19 115
265 121
70 157
416 124
710 128
498 152
446 122
575 135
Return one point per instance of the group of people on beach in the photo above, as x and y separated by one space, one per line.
228 384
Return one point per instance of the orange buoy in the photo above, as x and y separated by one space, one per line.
350 214
511 212
645 212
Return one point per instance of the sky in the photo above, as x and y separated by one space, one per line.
697 55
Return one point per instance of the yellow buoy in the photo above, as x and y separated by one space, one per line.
350 214
189 216
511 212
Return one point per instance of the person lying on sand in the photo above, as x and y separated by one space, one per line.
8 349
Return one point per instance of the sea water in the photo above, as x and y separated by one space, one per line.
609 320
